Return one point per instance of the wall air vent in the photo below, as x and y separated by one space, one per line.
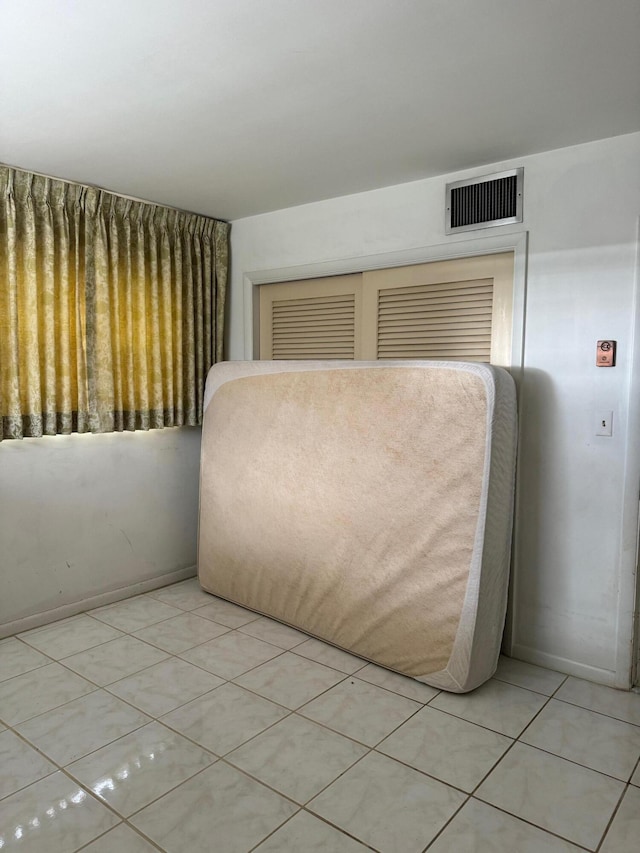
484 202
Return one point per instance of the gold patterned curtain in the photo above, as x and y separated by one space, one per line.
111 310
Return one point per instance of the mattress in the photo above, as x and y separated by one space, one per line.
368 504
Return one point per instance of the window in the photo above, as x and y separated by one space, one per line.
111 310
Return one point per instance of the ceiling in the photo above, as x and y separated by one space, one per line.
237 107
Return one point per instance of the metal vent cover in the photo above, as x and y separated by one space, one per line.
485 202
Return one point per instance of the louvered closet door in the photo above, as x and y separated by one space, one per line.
318 318
458 310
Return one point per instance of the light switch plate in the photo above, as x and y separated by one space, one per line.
604 423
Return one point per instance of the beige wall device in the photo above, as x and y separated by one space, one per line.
606 354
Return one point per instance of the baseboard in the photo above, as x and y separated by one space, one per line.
37 620
570 667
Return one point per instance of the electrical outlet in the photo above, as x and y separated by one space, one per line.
604 423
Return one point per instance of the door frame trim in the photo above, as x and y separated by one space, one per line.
516 242
627 665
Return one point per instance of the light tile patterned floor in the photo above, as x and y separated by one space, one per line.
178 722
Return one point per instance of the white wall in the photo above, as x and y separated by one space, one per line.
82 516
574 587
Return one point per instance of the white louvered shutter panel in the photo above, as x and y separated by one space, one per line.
449 321
316 319
455 310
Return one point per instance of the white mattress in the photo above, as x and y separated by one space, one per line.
366 503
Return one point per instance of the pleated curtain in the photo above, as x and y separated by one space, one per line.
111 310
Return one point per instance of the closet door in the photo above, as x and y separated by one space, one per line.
458 310
318 318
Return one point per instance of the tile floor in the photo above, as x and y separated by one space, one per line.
179 722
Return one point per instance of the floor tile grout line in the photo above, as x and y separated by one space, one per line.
158 719
513 740
172 655
504 680
26 672
152 718
127 819
365 844
613 815
471 722
304 810
258 616
226 754
109 807
296 710
131 631
368 747
64 767
593 711
517 740
280 624
132 635
200 772
534 718
122 817
96 688
530 823
337 648
14 725
447 823
298 707
574 762
395 692
290 713
128 826
135 636
33 669
87 649
289 796
224 759
161 719
60 766
29 784
50 659
370 750
240 674
143 669
305 805
244 633
437 778
282 651
292 650
509 748
82 651
122 677
255 693
40 629
83 787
